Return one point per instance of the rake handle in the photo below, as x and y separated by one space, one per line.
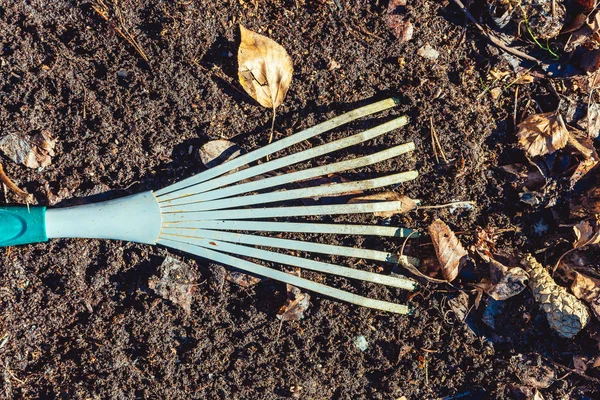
22 225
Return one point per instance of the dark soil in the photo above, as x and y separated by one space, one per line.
77 317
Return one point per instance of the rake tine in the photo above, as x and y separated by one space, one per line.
286 278
285 195
280 145
198 235
303 227
265 255
297 176
276 212
285 161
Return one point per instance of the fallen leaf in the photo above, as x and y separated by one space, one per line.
176 284
580 362
405 203
532 373
33 152
242 279
585 235
541 134
593 120
449 250
295 305
460 306
588 290
217 152
504 282
584 33
264 68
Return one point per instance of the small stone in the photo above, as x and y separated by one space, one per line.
428 52
361 343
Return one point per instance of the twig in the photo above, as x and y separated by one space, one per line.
455 203
434 134
492 38
581 374
102 10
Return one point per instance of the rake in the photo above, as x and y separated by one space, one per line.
211 214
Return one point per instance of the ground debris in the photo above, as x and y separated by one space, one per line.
504 282
264 68
587 289
34 152
177 282
450 252
428 52
564 312
217 152
296 304
541 134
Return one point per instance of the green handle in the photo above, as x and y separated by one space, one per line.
22 225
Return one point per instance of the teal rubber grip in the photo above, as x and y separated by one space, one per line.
22 225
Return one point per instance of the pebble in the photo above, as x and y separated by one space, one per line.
428 52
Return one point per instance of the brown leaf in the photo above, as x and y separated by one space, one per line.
242 279
176 284
588 290
264 68
405 203
33 152
541 134
593 120
585 235
504 282
449 250
295 305
218 152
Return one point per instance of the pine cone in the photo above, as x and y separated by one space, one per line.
565 313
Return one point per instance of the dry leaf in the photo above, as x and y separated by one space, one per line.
405 203
176 284
585 235
588 290
264 68
33 152
242 279
449 251
217 152
295 305
593 120
504 282
541 134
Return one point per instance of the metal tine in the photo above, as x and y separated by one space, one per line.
297 176
286 161
276 212
286 195
285 277
265 255
195 237
280 144
303 227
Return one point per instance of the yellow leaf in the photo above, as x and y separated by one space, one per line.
264 68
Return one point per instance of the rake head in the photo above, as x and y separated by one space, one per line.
206 214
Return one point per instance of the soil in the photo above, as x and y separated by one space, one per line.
78 318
